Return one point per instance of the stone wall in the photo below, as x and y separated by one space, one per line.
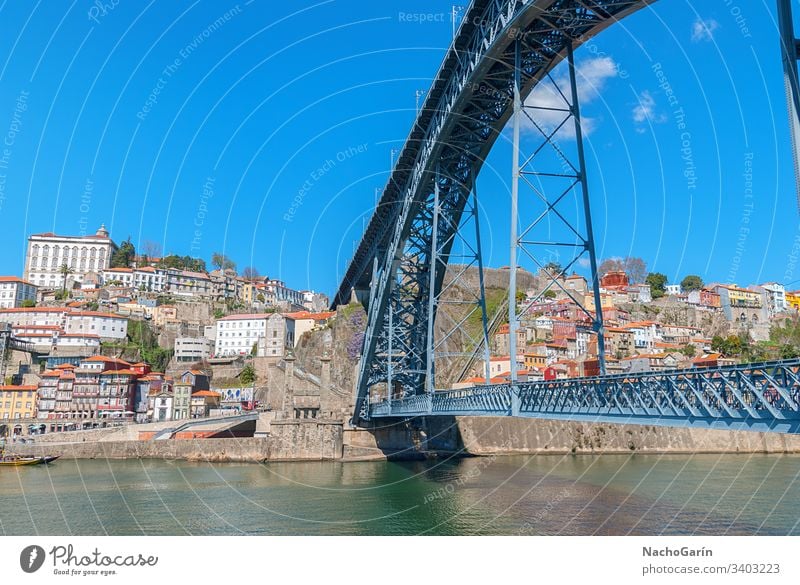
499 435
305 440
216 450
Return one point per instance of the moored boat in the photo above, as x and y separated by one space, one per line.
17 461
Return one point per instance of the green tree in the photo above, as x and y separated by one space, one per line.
688 350
28 303
554 269
248 375
219 313
692 282
64 271
549 294
222 262
658 284
123 256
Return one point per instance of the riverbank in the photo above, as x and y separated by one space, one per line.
313 440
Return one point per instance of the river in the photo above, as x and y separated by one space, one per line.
520 495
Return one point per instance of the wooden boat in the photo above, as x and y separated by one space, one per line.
17 461
49 458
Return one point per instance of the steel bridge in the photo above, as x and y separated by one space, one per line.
427 221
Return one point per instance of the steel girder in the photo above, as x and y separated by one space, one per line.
464 112
759 397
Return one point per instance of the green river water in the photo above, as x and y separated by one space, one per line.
520 495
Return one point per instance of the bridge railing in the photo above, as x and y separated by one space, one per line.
762 391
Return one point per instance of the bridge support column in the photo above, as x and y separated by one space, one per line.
790 50
539 229
515 402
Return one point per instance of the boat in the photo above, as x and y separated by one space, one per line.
12 461
49 458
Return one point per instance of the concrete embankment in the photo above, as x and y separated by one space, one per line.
315 440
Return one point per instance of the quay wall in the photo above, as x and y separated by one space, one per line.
315 440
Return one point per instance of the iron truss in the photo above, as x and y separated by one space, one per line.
501 45
755 397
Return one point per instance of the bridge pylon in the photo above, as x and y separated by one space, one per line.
545 176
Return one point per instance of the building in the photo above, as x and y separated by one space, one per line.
104 387
147 278
793 300
645 334
275 341
239 334
277 294
741 306
151 384
192 349
705 298
48 252
315 302
17 402
14 291
160 405
224 284
673 290
191 381
203 401
775 295
300 323
188 284
68 320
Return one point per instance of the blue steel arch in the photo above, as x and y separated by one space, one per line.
466 109
502 45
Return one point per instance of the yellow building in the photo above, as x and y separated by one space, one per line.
17 402
741 297
793 299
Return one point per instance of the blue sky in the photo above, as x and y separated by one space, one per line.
265 136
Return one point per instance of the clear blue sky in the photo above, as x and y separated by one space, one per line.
259 103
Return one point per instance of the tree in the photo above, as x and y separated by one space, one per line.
65 270
549 294
251 273
219 313
248 375
554 269
124 255
183 263
610 265
28 303
692 282
688 350
151 249
658 284
222 262
634 268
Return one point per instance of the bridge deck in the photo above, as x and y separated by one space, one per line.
755 397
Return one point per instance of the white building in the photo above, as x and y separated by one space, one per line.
105 325
645 334
14 290
48 252
193 349
148 278
67 321
237 334
673 290
776 297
